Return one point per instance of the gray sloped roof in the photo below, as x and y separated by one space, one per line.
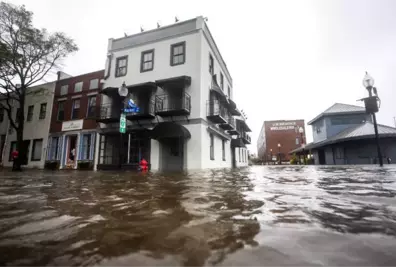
361 131
339 108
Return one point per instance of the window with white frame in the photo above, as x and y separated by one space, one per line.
61 111
29 116
221 81
78 87
211 65
64 89
86 147
43 111
93 84
91 108
75 109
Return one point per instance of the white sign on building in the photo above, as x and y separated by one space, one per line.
281 126
72 125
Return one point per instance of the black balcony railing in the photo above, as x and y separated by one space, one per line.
146 111
229 124
216 112
172 105
109 113
246 138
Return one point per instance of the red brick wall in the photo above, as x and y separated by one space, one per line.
283 132
56 126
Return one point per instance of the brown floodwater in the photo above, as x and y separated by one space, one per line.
261 215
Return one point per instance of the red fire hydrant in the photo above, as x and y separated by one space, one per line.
143 165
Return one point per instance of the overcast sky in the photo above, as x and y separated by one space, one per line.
289 59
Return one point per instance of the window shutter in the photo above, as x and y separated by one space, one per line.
49 148
92 148
59 148
80 150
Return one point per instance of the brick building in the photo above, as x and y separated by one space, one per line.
286 133
73 122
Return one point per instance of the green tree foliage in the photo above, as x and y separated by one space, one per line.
27 55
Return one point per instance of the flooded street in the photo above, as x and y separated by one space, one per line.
276 215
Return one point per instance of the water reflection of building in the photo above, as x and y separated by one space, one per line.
344 134
187 118
283 132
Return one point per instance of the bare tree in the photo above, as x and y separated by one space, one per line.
27 55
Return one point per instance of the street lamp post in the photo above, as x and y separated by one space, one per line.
123 92
271 154
301 131
279 154
371 108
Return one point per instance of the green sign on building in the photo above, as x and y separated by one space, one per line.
122 123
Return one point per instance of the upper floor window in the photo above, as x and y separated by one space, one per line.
29 116
91 107
43 111
121 66
297 141
93 84
229 91
178 53
147 61
75 109
61 111
78 87
1 114
64 89
221 81
211 65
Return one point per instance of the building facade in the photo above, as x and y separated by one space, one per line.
72 132
344 134
285 133
38 106
187 118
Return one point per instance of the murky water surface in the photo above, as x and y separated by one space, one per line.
283 215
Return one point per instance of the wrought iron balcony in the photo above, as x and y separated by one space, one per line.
246 138
171 105
109 113
146 111
229 124
216 112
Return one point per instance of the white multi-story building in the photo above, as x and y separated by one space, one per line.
187 118
38 109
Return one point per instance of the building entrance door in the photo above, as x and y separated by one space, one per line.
71 151
321 155
172 154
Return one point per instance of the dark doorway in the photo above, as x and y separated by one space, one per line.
322 158
233 160
24 152
172 154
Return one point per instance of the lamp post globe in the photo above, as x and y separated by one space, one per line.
123 90
368 81
301 130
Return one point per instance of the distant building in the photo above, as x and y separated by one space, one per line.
283 132
344 134
72 133
38 106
